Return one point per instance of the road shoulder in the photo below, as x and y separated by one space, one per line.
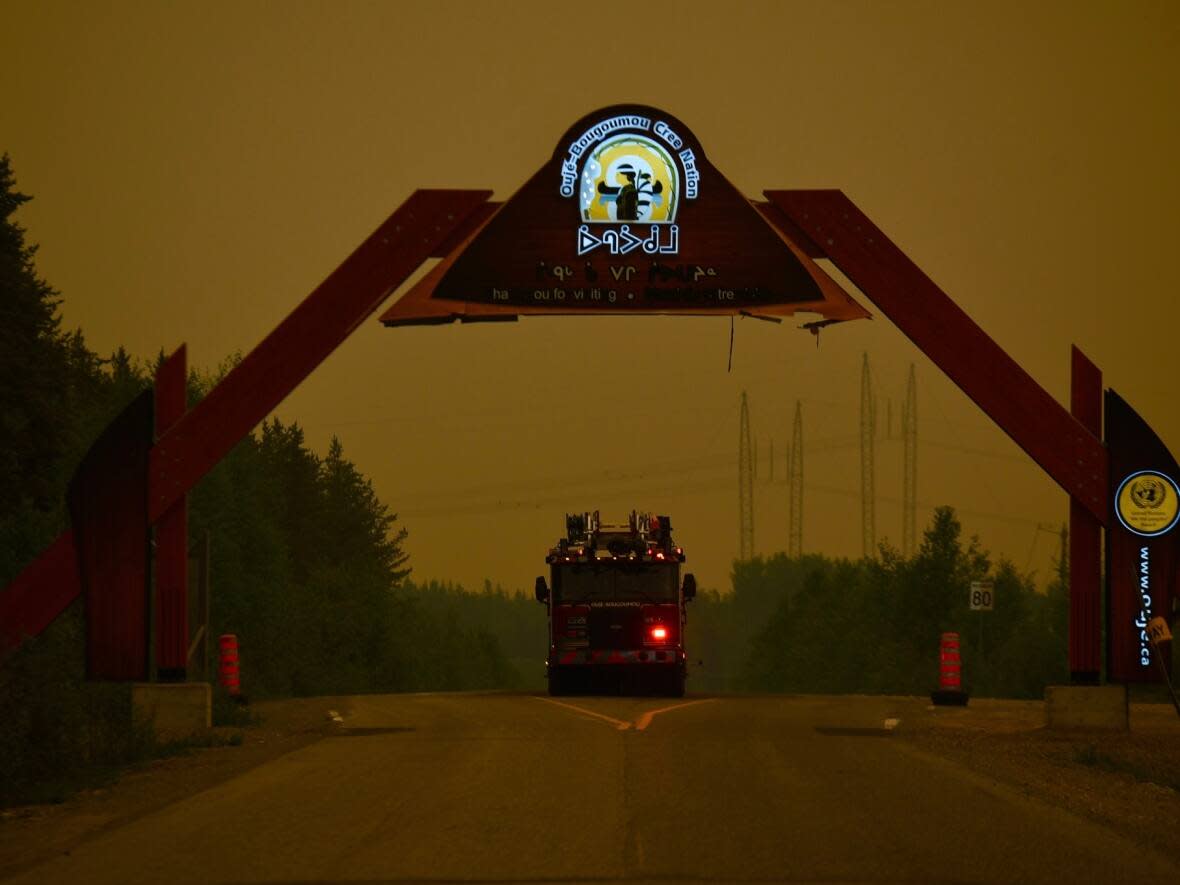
1128 782
31 835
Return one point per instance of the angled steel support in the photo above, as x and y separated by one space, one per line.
34 598
1061 444
251 391
1085 538
426 225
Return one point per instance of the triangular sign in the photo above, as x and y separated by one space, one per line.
628 216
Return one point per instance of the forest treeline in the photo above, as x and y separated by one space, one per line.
812 624
309 570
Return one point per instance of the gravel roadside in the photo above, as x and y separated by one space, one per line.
1127 781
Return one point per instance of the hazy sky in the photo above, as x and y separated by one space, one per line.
198 168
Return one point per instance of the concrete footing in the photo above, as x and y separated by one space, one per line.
175 709
948 697
1102 707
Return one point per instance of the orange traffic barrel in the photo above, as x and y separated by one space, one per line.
227 667
950 674
949 665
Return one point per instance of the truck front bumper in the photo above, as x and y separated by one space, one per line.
596 657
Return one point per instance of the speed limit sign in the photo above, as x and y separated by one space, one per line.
983 596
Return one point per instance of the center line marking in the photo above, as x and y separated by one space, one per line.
617 723
645 720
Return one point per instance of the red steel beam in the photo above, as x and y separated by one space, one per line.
35 597
1061 444
252 390
469 225
171 534
1085 537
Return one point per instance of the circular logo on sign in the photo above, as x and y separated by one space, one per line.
1148 503
629 178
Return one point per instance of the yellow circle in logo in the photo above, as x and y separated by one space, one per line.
629 178
1148 503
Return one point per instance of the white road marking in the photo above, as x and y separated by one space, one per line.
645 720
617 723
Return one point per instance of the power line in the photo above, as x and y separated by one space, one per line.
678 488
745 485
795 480
435 500
909 424
867 433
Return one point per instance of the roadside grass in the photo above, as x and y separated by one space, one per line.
228 711
61 734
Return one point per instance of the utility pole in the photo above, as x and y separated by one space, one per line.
867 432
909 429
795 482
1063 561
745 485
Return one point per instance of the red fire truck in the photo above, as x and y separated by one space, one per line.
616 607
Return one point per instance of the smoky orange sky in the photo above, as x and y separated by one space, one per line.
198 168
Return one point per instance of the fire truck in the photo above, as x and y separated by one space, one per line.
616 607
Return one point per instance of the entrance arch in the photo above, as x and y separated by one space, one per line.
627 216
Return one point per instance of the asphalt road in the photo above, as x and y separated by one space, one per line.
522 788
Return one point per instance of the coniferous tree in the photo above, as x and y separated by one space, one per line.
34 363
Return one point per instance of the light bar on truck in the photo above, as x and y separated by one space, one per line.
644 537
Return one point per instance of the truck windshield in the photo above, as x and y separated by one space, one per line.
614 582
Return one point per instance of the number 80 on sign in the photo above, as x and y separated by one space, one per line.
983 596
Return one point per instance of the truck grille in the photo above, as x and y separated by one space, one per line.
615 628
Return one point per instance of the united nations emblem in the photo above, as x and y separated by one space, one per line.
1148 492
1147 503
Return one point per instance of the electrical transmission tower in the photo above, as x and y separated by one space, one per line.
909 429
1062 533
745 485
795 481
868 424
